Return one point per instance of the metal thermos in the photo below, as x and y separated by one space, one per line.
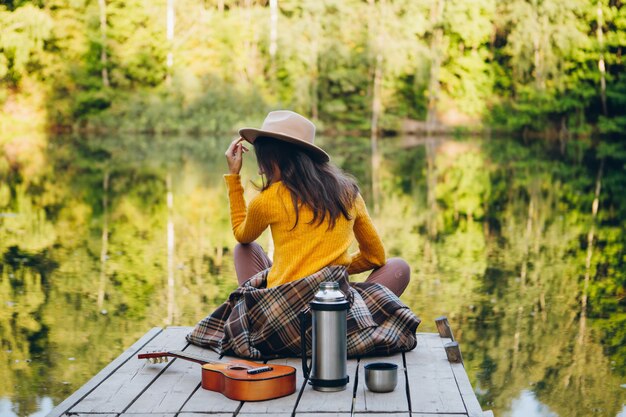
328 370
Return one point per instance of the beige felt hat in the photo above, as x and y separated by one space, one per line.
289 127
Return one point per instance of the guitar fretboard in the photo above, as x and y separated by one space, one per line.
191 356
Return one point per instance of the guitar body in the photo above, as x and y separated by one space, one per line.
232 380
238 379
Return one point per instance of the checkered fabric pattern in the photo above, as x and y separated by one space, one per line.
258 322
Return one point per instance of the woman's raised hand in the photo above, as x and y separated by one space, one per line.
234 155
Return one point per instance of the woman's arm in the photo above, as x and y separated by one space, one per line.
248 224
371 252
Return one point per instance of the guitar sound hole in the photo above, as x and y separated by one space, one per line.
237 368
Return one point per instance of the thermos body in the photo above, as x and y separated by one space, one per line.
329 348
329 334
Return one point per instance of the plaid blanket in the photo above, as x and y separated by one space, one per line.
258 322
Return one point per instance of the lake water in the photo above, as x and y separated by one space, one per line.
495 232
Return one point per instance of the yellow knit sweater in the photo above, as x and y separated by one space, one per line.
309 247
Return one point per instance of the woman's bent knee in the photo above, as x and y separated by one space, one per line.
395 275
249 259
242 248
401 268
401 274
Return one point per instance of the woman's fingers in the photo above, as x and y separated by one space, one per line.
234 155
232 146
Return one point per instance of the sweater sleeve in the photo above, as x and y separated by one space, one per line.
248 224
371 252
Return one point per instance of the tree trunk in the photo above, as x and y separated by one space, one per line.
103 39
517 336
590 239
251 69
376 112
170 251
527 238
105 240
601 66
434 87
273 37
431 187
313 65
170 39
376 33
537 60
537 51
315 86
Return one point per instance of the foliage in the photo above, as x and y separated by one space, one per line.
527 66
24 32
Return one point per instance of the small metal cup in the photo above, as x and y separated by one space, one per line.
381 376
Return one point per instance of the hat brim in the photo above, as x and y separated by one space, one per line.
250 134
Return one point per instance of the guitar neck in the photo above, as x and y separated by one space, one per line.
190 357
178 354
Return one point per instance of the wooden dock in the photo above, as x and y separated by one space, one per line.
430 386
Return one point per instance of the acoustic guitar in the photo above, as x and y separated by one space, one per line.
237 379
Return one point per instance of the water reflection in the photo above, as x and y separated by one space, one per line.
527 405
112 236
43 406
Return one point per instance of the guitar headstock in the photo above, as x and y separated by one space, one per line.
155 357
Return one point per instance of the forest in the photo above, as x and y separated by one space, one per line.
547 68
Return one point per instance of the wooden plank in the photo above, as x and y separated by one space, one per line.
271 414
389 415
118 392
407 414
173 387
432 384
412 415
205 401
91 415
278 405
467 392
312 414
339 401
138 415
197 415
107 371
435 415
368 401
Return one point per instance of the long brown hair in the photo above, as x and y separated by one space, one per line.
326 189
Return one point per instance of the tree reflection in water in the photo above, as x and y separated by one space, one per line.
495 233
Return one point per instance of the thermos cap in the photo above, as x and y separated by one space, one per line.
329 293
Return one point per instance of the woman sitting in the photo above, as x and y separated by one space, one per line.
312 208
